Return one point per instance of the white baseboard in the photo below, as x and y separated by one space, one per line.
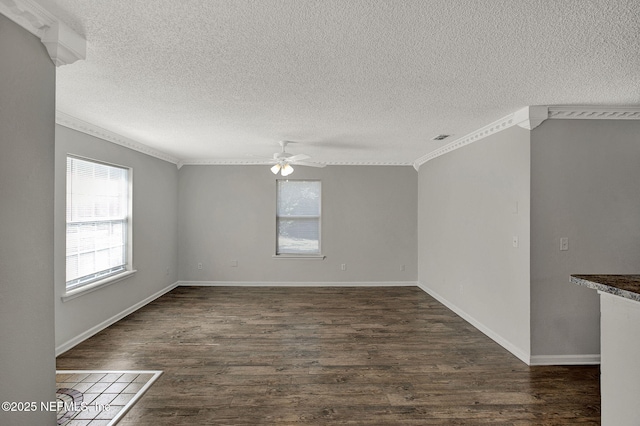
104 324
298 284
518 352
593 359
533 360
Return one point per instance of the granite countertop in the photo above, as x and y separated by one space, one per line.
627 286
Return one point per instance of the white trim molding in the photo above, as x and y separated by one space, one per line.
593 359
64 45
28 14
527 118
220 162
594 113
74 123
588 359
106 323
299 256
367 163
298 284
531 117
89 288
521 354
244 162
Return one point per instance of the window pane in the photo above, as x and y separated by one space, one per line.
299 236
93 247
95 191
298 198
298 217
97 210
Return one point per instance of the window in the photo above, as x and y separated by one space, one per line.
298 217
98 222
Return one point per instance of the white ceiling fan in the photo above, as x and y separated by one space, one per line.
283 160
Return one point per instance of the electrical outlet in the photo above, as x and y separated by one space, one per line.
516 241
343 267
564 243
199 265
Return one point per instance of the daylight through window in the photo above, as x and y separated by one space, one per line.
298 217
97 221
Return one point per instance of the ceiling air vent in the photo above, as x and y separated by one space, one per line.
440 137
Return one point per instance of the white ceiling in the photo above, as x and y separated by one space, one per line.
351 80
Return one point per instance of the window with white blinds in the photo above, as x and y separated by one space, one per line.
97 221
298 216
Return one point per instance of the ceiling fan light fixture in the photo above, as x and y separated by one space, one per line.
286 170
282 161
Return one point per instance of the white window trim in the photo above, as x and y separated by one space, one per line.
314 256
95 285
129 271
300 256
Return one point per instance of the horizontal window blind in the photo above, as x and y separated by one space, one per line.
298 217
97 221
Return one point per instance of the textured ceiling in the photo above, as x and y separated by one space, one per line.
352 81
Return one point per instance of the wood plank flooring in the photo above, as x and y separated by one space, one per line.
282 355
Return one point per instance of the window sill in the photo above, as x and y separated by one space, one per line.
299 256
72 294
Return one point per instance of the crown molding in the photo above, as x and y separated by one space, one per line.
527 118
368 163
262 163
531 117
212 162
74 123
63 44
594 112
79 125
28 14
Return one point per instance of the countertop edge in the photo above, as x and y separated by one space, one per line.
605 288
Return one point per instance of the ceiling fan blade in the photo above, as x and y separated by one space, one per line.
310 164
298 157
264 160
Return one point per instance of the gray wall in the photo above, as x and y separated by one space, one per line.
228 213
472 202
27 112
155 234
585 185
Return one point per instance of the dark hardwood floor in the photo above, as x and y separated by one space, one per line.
284 355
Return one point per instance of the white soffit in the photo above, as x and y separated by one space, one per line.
63 44
531 117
